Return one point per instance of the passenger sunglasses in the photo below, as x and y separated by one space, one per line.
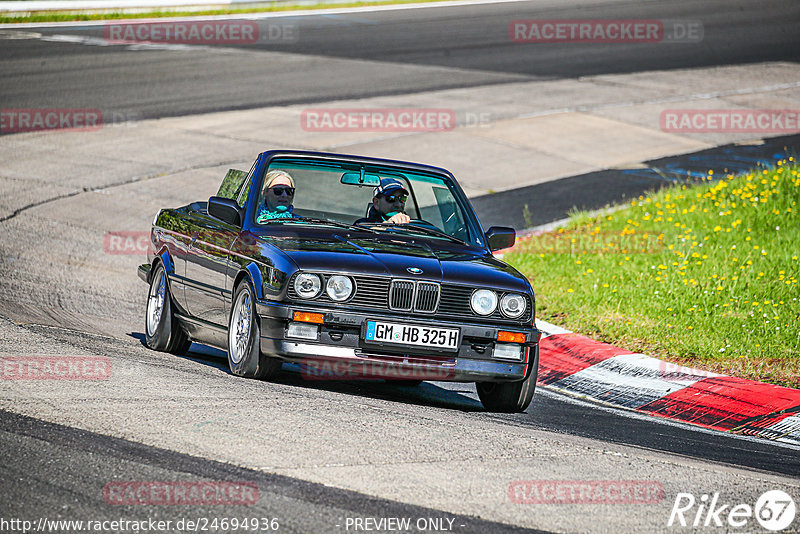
280 191
395 198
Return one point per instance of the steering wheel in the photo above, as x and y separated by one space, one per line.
456 228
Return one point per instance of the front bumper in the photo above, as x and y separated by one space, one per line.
144 272
339 351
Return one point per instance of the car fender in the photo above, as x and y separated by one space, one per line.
255 278
164 257
258 258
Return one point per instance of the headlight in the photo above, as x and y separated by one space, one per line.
513 305
483 302
339 288
307 285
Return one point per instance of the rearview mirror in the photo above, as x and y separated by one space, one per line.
225 210
359 178
500 237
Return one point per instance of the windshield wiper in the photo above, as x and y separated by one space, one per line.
337 224
423 230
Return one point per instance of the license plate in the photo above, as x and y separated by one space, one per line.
410 334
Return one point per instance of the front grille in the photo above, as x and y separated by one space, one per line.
401 295
427 297
455 300
448 301
371 293
410 295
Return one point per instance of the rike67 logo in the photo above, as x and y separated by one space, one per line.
774 510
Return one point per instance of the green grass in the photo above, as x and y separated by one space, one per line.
80 16
705 275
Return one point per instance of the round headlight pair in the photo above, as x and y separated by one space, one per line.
484 302
309 285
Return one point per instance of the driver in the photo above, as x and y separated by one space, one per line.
278 196
388 203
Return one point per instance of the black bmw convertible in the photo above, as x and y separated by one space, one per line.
343 294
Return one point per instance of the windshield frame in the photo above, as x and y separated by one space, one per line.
345 162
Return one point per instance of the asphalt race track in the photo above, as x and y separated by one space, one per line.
383 53
322 455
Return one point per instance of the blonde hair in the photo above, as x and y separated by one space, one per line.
275 174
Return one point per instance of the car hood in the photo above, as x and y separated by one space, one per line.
399 258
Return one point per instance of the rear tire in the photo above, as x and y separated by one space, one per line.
244 338
510 397
161 329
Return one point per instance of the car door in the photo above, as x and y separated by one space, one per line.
173 230
208 256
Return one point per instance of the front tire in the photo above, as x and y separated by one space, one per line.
161 329
510 397
244 335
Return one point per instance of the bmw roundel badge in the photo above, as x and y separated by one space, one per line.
414 270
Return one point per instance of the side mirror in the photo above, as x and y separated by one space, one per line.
225 210
500 237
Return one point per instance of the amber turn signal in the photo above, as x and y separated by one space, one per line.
511 337
306 317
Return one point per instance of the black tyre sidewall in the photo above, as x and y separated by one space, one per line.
180 341
160 339
510 397
530 382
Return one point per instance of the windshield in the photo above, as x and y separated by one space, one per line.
342 193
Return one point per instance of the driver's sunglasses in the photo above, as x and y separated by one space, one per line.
395 198
280 191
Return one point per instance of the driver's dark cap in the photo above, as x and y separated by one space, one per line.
389 186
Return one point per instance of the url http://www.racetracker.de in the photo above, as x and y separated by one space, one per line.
197 524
